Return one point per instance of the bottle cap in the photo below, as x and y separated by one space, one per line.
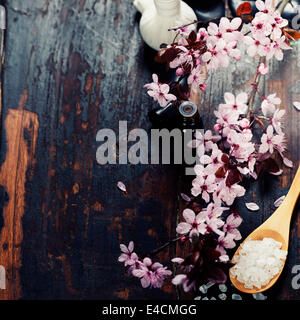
188 109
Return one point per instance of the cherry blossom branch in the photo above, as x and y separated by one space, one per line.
158 250
255 84
194 22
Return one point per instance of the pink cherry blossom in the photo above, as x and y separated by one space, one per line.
236 104
196 78
213 161
215 56
128 256
204 186
229 29
233 221
276 49
159 92
194 225
269 141
241 145
256 44
229 193
276 120
268 106
202 34
225 242
263 69
151 274
184 281
266 7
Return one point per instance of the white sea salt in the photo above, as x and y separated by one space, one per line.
258 262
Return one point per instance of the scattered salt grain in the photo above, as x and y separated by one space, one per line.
205 298
259 296
209 284
222 296
222 287
236 297
213 298
258 262
198 298
203 289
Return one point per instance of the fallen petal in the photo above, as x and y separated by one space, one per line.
288 162
185 197
279 201
252 206
297 105
122 186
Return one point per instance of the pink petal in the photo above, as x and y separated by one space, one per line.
252 206
124 248
229 98
122 186
155 77
123 257
185 197
189 215
145 282
131 246
279 201
183 228
179 279
139 273
177 260
288 162
297 105
242 98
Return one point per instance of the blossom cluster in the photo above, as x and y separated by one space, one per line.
150 274
227 154
212 48
267 38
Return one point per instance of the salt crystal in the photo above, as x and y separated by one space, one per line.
259 296
258 262
236 297
205 298
222 287
203 289
222 296
213 298
198 298
209 284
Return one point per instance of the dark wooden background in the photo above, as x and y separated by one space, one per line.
73 67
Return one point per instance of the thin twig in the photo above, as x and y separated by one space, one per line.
158 250
194 22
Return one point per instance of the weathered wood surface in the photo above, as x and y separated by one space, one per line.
73 67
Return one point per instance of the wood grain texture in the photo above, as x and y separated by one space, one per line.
21 133
74 67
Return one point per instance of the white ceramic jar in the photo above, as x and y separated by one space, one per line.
160 15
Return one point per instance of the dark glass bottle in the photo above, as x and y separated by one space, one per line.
190 122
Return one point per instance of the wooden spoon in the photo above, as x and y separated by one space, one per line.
276 227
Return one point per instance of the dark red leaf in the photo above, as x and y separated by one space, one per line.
247 18
290 34
225 158
233 177
220 173
244 8
193 36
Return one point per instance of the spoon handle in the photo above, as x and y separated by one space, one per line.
295 187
